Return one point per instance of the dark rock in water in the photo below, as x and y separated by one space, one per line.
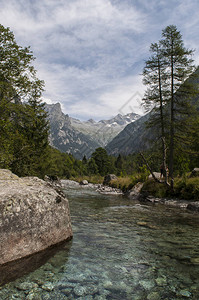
194 206
33 216
108 178
195 172
84 182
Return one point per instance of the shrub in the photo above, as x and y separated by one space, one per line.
188 189
155 189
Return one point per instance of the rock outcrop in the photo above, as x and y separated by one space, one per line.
33 216
108 178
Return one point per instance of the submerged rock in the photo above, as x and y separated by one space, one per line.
26 286
33 216
184 293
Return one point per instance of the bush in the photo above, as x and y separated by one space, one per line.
155 189
187 189
184 188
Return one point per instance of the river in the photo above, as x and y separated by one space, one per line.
121 249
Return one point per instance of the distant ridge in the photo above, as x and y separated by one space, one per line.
82 138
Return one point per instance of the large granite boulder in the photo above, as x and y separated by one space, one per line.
33 216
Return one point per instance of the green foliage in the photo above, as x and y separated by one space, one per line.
171 87
184 189
102 161
16 70
187 189
155 189
92 167
23 127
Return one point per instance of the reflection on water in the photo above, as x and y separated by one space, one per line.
120 250
11 271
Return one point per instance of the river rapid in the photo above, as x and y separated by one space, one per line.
121 249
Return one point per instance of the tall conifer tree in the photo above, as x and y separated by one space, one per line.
169 91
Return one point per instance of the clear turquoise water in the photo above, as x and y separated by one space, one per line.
121 250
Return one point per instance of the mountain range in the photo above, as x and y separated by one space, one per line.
82 137
105 130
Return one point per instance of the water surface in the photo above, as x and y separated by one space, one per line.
121 250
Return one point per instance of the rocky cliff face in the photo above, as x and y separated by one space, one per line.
33 216
66 138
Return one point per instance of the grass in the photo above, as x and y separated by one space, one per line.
184 188
95 179
126 183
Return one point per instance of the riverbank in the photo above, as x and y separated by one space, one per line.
100 188
138 192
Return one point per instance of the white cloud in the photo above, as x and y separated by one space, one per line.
90 53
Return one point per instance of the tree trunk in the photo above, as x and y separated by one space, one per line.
172 123
164 160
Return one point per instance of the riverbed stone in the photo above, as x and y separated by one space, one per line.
33 296
66 291
184 293
147 284
33 216
153 296
79 291
48 286
26 286
161 281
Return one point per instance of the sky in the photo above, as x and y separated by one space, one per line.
91 53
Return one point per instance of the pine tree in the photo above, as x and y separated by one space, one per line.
179 67
102 161
92 167
169 91
84 160
156 95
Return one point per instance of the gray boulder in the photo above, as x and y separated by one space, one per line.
84 182
134 193
33 216
108 178
195 172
